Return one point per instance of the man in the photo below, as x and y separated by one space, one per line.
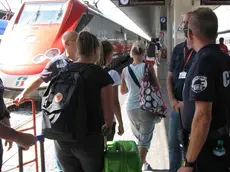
223 47
181 61
206 98
53 67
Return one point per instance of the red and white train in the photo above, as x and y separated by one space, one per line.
33 37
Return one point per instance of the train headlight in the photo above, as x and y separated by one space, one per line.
53 52
38 58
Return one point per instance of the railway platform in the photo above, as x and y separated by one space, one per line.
157 156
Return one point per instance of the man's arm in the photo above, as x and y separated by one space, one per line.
32 87
45 76
28 90
200 128
173 101
22 139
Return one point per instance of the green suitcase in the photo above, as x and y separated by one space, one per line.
122 156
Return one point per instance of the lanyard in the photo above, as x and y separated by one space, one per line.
189 57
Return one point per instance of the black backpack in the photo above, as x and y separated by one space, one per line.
63 106
151 50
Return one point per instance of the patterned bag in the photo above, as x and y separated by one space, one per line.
151 98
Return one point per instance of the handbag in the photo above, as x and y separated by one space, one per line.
151 98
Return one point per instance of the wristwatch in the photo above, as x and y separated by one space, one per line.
185 163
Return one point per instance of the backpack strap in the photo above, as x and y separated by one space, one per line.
135 80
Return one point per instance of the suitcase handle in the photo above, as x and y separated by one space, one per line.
41 139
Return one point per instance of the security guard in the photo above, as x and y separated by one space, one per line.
206 98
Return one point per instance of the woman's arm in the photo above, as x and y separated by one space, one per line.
154 77
117 110
123 88
107 105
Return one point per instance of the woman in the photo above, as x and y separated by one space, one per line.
88 155
142 122
103 61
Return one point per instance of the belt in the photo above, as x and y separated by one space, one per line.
218 133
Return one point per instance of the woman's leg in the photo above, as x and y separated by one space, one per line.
142 125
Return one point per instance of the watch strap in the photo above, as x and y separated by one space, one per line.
187 164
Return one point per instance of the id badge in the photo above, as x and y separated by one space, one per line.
182 75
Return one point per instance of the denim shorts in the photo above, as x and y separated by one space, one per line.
142 126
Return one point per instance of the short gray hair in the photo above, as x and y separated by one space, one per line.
204 24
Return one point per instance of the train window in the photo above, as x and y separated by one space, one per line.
85 19
42 13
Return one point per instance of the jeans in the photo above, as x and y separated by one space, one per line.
175 150
57 165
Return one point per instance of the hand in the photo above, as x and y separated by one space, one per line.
9 144
19 99
174 102
181 105
25 140
120 130
106 130
185 169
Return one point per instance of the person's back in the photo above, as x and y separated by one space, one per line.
151 49
82 155
222 94
133 94
94 80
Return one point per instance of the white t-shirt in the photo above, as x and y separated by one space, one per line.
116 77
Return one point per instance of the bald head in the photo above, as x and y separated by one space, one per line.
69 41
69 36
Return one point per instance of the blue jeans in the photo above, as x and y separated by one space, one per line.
57 164
175 150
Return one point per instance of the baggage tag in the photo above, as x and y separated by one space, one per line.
182 75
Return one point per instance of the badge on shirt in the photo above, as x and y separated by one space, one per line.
182 75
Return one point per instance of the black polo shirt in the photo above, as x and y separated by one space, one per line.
177 65
208 80
54 66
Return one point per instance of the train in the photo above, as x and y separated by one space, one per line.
3 25
33 37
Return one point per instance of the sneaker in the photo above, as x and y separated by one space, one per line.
146 167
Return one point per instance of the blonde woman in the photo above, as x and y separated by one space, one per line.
142 122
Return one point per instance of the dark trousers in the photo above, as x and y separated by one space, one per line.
87 156
207 161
